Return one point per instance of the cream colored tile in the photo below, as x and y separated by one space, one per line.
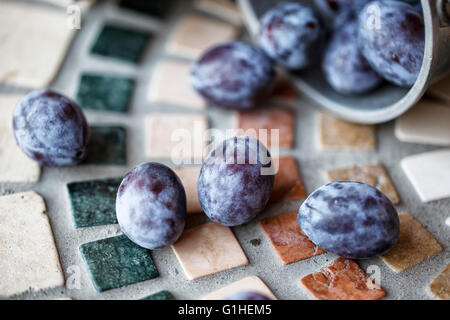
196 33
170 84
176 136
428 122
30 59
429 174
208 249
252 283
415 244
189 178
15 166
28 255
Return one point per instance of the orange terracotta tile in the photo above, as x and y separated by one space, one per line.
288 184
343 279
287 239
268 119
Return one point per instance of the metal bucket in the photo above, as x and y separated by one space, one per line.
388 101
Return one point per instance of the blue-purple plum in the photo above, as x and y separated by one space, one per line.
236 181
50 128
247 295
233 75
345 68
291 34
330 9
351 219
151 206
392 39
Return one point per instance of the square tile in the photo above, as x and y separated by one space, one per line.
21 64
104 92
247 284
440 287
372 174
284 90
15 166
336 134
343 279
196 33
426 123
170 84
189 178
287 239
441 89
107 146
116 262
225 9
415 244
93 202
28 255
208 249
267 120
156 8
288 184
429 173
161 295
176 136
121 43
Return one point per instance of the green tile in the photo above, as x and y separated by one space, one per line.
104 92
121 43
155 8
161 295
107 146
116 262
94 202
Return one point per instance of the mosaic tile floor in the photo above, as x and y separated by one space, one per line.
99 263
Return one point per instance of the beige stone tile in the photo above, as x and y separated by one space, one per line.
225 9
15 166
208 249
196 33
252 283
372 174
189 178
337 134
170 84
28 255
440 287
21 63
415 244
343 279
176 136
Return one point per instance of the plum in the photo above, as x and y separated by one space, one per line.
291 35
392 39
50 128
233 75
151 206
233 187
351 219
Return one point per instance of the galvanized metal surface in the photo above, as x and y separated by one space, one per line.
388 101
